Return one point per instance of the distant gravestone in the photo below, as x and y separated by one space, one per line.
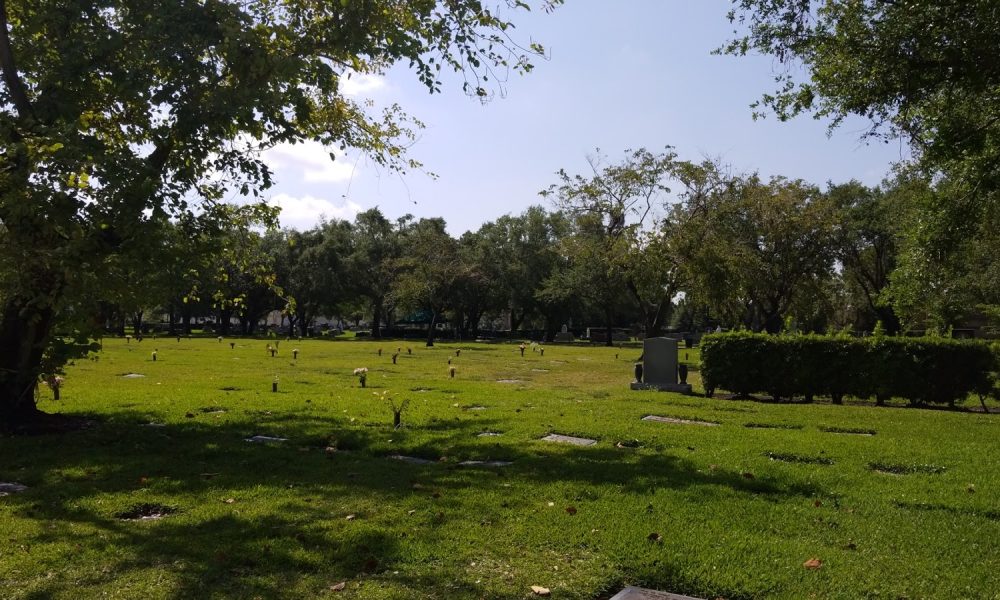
659 366
564 335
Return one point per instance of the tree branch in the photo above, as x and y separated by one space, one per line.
10 76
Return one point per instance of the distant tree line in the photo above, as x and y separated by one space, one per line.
648 243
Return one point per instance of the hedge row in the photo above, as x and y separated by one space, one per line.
920 370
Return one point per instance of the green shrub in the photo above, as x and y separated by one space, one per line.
929 369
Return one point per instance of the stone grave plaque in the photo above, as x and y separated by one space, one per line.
634 593
11 488
265 439
568 439
677 421
484 463
659 366
413 460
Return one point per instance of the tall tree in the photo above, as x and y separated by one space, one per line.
610 206
755 249
117 113
375 262
431 268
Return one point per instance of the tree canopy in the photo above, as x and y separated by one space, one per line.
119 115
922 69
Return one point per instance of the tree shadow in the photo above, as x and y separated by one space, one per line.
247 554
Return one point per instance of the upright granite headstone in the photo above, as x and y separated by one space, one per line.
659 357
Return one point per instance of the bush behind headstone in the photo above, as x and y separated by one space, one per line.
929 369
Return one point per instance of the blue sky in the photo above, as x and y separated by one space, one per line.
624 74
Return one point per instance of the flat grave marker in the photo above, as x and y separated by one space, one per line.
635 593
485 463
677 421
568 439
265 439
413 460
11 488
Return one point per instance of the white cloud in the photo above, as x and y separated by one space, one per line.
304 212
356 84
309 162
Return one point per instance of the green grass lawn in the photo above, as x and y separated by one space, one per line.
730 510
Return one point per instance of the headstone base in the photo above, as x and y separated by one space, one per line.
683 388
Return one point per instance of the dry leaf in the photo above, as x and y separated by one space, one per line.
540 591
817 504
571 510
410 512
655 537
552 503
813 563
748 475
337 587
351 517
229 500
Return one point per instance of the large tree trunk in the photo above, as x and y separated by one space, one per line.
172 327
137 323
430 328
377 319
24 333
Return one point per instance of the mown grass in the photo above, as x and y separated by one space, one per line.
729 511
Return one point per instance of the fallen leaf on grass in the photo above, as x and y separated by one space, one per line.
817 504
571 510
229 500
540 591
813 563
748 475
351 517
337 587
655 537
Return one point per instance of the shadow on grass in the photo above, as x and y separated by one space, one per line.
264 551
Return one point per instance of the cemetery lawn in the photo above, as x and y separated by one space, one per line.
774 501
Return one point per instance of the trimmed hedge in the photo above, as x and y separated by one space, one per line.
938 370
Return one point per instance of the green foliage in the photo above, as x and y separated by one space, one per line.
923 71
938 370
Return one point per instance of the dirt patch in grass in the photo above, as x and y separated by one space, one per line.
848 430
898 469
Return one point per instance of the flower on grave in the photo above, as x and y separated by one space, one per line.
521 348
362 374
